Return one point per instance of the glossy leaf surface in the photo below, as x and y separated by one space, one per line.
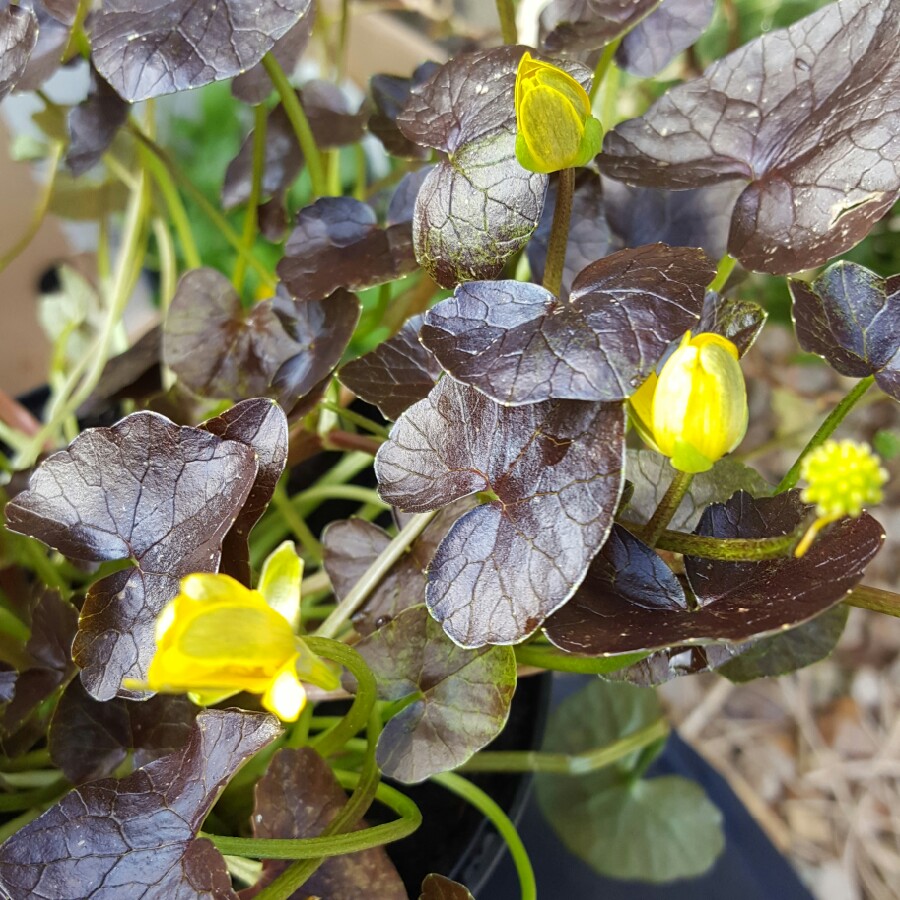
462 696
556 470
18 35
572 26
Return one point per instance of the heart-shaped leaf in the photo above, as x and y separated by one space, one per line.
462 697
297 798
262 426
147 49
632 601
656 829
396 374
518 343
479 206
805 114
655 41
556 471
279 348
851 316
93 124
337 243
574 26
90 739
144 489
136 836
18 36
437 887
390 93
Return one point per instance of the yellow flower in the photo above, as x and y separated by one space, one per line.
217 638
843 477
553 115
695 411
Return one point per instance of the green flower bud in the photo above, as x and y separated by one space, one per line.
695 411
553 113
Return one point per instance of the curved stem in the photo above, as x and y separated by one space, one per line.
359 593
251 214
40 211
297 874
354 417
545 657
506 12
332 845
340 492
495 815
723 272
727 549
333 740
297 117
559 233
668 506
602 67
565 763
826 429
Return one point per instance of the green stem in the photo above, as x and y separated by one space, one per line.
723 272
506 12
564 763
354 417
340 492
865 597
298 873
40 211
727 549
668 506
344 30
602 67
297 524
300 124
495 815
333 740
228 233
332 845
251 214
559 233
545 657
826 429
83 378
359 593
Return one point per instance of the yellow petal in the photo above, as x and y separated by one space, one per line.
551 127
279 582
285 696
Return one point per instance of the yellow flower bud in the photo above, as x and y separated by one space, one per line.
553 115
217 638
695 411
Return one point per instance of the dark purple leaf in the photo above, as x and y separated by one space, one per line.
437 887
262 426
338 243
589 236
52 39
93 125
557 470
698 218
254 86
396 374
18 36
665 665
462 696
349 547
650 474
851 316
297 798
574 26
390 93
519 344
806 114
144 490
89 738
135 837
144 48
281 165
654 42
48 652
402 207
628 602
62 10
740 321
333 122
278 348
478 207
